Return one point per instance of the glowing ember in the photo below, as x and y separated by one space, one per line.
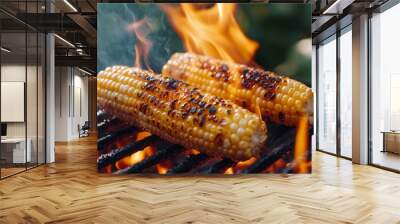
229 171
194 152
211 31
141 29
163 167
135 158
279 164
108 169
245 164
141 135
241 166
301 146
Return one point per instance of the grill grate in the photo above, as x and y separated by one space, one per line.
112 132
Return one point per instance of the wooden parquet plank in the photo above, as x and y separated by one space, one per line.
71 191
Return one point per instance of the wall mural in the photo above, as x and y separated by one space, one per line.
200 88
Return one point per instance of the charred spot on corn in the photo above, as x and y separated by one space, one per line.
224 68
143 107
212 110
219 139
263 92
179 113
172 84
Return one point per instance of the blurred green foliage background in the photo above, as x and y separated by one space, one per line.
282 30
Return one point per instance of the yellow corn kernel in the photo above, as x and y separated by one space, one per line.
183 115
276 98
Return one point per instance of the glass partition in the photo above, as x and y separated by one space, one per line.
13 94
327 96
385 89
346 93
22 88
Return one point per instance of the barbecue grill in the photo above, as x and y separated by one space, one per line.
120 143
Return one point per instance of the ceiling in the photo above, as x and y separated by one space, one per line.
75 21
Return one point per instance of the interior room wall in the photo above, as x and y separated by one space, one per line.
69 112
16 72
80 109
61 103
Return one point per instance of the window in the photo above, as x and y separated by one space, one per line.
346 92
22 75
385 89
327 96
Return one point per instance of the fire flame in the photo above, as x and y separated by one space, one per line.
141 135
141 29
301 146
194 152
135 158
240 165
229 170
211 31
279 164
162 168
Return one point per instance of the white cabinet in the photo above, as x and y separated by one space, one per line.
15 148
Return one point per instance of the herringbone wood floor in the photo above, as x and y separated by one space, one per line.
71 191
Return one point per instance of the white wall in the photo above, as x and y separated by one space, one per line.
33 127
70 84
13 73
61 103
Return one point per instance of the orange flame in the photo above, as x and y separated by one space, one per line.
211 31
229 171
279 164
108 169
240 165
135 158
301 146
162 168
194 152
141 29
141 135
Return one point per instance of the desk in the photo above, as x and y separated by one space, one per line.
13 150
391 141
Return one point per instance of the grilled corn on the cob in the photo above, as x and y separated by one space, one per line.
277 98
179 113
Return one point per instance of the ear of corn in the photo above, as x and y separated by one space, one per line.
280 99
180 114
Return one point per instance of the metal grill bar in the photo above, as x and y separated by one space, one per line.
217 167
103 141
188 163
103 125
281 146
117 154
166 151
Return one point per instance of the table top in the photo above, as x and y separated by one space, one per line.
391 132
13 140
